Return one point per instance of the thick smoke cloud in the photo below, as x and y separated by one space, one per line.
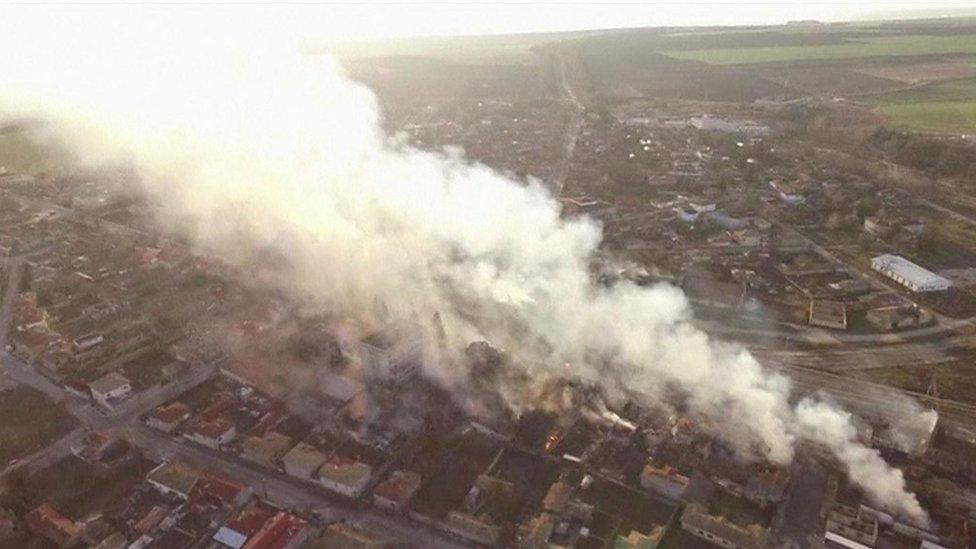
256 150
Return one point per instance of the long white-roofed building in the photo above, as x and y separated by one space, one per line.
914 277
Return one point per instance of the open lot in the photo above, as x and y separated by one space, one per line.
77 488
447 488
29 421
952 380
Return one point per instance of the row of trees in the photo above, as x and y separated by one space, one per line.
939 156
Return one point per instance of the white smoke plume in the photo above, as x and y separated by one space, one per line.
825 423
252 147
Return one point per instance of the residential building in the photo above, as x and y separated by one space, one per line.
767 487
396 492
115 540
393 353
303 461
849 524
560 501
266 450
230 492
168 417
78 388
557 497
212 434
283 531
664 481
97 446
109 389
53 526
477 529
174 478
345 476
637 540
719 530
249 521
535 532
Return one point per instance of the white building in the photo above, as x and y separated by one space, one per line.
110 388
212 434
909 275
391 354
713 124
687 215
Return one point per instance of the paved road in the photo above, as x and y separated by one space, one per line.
573 128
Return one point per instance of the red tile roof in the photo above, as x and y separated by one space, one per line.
77 385
249 521
171 413
211 429
225 489
277 532
47 522
399 488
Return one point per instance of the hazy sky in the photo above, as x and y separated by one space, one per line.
358 20
489 18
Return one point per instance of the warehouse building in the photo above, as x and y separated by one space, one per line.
909 275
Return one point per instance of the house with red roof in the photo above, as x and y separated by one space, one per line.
52 525
212 434
396 492
226 490
283 531
168 417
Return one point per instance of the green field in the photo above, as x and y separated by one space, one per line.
947 107
936 116
868 47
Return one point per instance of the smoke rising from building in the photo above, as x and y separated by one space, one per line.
276 162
